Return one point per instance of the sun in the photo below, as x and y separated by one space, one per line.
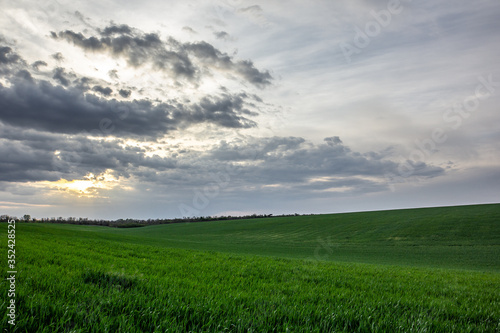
77 186
90 186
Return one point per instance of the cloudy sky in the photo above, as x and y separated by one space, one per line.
145 109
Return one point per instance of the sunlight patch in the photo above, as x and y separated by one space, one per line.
90 186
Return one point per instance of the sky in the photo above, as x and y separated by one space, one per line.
162 109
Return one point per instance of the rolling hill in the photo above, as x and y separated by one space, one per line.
455 237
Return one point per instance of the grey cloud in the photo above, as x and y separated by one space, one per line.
293 164
31 157
20 163
60 76
10 61
113 74
221 111
79 15
7 56
189 29
244 151
82 18
117 29
245 68
207 52
24 161
105 91
37 64
171 56
25 75
124 93
385 153
252 74
82 83
46 107
79 83
293 160
254 13
255 9
222 35
334 140
58 56
137 49
92 43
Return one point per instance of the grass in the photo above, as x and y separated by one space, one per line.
263 276
464 237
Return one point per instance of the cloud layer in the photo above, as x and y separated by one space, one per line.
236 106
63 109
179 60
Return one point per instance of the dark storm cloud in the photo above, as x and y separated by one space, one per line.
171 56
43 106
105 91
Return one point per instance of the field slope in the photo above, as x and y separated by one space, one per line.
465 237
418 270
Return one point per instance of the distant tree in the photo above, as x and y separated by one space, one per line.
27 217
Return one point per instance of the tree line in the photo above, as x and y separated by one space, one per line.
131 223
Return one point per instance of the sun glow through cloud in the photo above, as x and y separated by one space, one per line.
91 186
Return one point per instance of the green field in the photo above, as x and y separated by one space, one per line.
418 270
